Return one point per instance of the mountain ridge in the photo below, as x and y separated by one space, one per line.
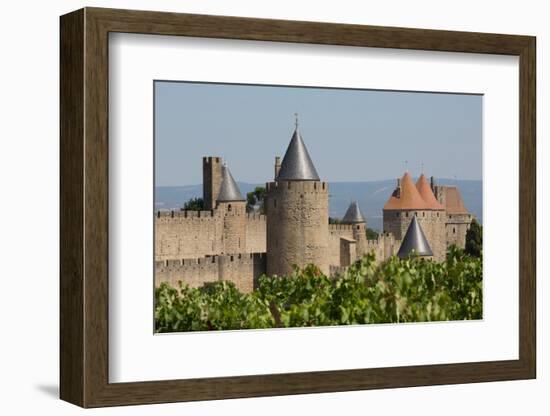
371 196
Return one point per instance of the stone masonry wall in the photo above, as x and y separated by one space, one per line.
193 234
360 236
297 225
348 252
456 227
187 234
234 226
383 247
242 269
337 232
212 179
256 233
432 222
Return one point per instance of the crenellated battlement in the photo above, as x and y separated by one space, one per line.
373 243
340 227
297 186
184 214
241 268
256 217
211 159
179 264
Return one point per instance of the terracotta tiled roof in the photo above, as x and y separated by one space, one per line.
453 201
409 197
426 193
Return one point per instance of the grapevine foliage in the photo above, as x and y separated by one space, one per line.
410 290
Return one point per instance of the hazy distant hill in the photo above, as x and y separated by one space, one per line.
371 196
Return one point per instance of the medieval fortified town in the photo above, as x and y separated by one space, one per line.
225 242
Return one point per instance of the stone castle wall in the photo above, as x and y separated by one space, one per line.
337 232
297 225
241 269
194 234
187 234
456 227
456 224
383 247
226 243
234 226
360 236
256 233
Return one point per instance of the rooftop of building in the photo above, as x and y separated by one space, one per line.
229 190
406 196
454 204
414 241
353 214
297 164
425 191
411 196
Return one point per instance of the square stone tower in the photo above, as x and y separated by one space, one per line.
211 180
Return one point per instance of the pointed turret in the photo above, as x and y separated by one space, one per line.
297 164
296 206
229 190
425 191
414 241
353 214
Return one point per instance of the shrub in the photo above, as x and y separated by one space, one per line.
398 290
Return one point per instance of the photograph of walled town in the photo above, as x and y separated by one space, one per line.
302 248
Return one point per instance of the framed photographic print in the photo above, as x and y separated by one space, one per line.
255 207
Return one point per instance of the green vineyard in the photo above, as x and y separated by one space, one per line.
395 291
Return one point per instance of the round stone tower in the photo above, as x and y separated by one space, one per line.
231 206
355 218
297 213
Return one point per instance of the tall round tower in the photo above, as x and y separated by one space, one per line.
297 213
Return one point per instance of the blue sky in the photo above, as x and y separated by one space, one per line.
351 135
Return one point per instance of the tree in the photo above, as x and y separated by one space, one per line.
371 234
255 199
474 243
194 204
333 220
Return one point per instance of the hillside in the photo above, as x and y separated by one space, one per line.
371 196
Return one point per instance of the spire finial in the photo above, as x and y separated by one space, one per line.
296 120
406 165
422 167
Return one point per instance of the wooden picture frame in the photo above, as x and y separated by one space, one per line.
84 207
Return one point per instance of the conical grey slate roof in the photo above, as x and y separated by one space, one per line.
353 214
297 165
414 240
229 190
